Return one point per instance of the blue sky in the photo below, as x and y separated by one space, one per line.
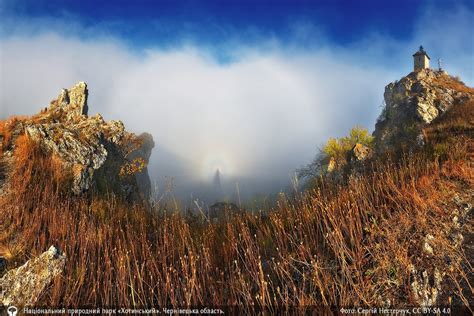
146 23
249 87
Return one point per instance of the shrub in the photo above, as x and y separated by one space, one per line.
135 166
336 149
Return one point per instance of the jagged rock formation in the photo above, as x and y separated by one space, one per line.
74 99
100 155
414 102
143 152
22 286
360 152
357 157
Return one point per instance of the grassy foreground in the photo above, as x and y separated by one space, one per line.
341 244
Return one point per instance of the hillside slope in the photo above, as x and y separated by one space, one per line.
396 233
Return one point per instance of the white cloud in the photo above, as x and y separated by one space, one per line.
259 116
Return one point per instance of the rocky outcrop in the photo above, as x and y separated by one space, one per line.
360 153
23 286
425 289
82 147
352 162
332 165
93 150
73 100
414 102
143 152
357 158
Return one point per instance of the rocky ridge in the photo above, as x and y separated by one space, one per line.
99 154
412 103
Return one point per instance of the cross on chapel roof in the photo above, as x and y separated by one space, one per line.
421 51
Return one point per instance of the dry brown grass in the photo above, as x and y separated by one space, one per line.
337 245
457 121
447 130
6 131
453 83
34 169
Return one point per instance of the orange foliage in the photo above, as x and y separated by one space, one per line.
6 130
34 168
135 166
452 83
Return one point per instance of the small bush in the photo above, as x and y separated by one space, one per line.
132 167
336 149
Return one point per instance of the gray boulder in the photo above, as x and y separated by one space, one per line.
23 286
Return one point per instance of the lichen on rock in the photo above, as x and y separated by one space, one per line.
23 286
424 287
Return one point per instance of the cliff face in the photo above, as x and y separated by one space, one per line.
101 156
414 102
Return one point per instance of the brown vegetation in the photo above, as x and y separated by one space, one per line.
453 83
458 120
135 166
6 131
341 245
